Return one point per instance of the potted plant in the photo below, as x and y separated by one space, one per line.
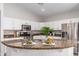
47 30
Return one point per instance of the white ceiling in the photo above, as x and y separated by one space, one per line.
50 8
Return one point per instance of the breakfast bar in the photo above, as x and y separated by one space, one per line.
19 48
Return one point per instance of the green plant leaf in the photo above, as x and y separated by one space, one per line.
45 30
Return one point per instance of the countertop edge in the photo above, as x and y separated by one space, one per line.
20 47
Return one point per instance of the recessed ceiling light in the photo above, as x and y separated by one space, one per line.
42 6
42 9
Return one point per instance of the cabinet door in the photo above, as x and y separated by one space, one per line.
17 24
7 23
64 27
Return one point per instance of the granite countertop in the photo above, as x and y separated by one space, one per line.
59 44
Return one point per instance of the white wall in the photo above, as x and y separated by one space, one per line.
0 6
0 32
57 24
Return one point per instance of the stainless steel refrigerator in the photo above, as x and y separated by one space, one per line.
72 30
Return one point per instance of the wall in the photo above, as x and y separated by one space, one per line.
0 5
0 32
57 23
0 25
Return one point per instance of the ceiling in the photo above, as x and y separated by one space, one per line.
50 8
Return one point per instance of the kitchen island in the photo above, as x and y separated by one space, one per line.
16 48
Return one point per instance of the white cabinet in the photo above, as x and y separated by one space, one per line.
7 23
38 52
17 24
11 23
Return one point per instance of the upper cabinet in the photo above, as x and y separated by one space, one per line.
10 23
7 23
